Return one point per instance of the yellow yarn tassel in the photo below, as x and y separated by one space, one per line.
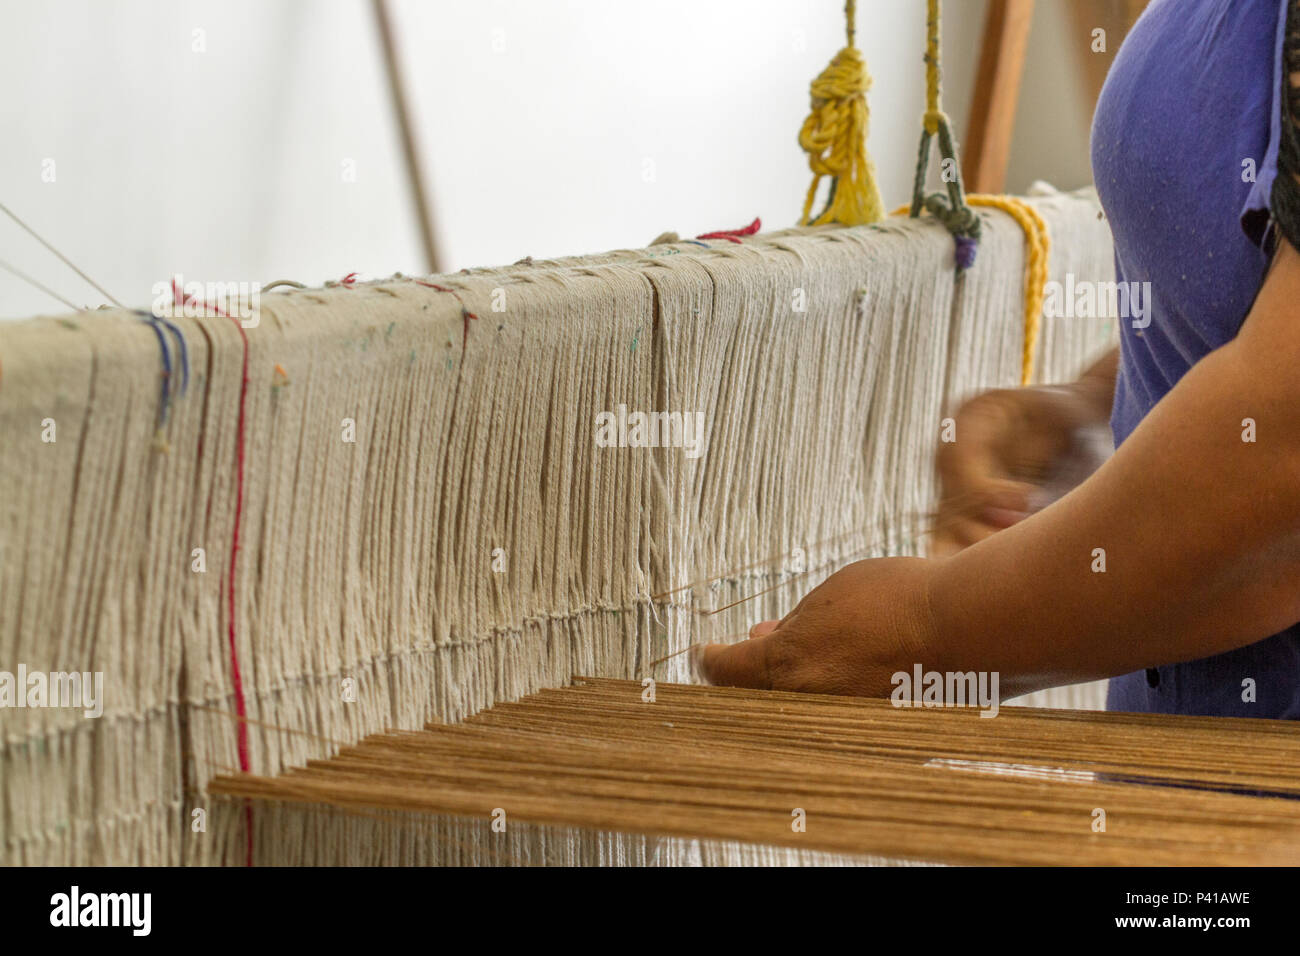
835 138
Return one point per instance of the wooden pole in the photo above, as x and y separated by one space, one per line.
1116 17
414 169
997 89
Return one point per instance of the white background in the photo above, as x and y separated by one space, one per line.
536 119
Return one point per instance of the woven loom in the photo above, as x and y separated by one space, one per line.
839 779
473 544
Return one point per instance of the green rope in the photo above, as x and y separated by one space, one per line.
957 217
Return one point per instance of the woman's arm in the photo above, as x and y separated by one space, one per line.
1008 442
1200 529
1200 532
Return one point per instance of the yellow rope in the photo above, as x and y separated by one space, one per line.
1037 241
933 112
1038 246
835 138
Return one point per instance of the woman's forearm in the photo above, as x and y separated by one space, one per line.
1196 530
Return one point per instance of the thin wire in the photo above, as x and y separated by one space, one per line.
963 502
267 725
688 647
66 261
668 657
279 282
48 291
935 528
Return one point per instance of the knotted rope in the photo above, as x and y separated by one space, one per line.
953 212
835 138
1038 246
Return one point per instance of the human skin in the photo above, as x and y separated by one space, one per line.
1009 441
1200 529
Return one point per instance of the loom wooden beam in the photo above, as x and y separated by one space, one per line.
1116 17
997 90
410 151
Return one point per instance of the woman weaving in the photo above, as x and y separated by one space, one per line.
1174 568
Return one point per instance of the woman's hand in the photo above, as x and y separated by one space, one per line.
1016 450
1184 544
873 619
848 636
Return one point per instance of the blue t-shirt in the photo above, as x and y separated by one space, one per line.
1184 153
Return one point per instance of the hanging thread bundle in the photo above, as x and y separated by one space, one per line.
835 138
838 124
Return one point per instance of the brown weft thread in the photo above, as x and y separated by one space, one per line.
728 764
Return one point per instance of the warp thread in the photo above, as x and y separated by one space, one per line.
465 314
1038 245
61 257
235 676
349 281
613 525
15 271
161 328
